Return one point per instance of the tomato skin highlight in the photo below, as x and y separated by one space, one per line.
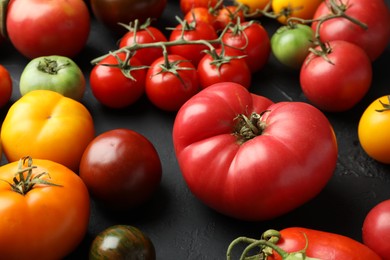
245 180
322 245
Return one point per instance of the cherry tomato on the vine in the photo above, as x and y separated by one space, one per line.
187 5
5 86
228 14
200 14
303 9
338 81
170 82
254 5
250 39
116 82
376 229
223 66
373 130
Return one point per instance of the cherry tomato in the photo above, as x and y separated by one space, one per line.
375 14
148 34
58 27
42 221
121 169
254 5
340 84
290 44
303 9
376 229
227 15
170 84
373 131
112 12
200 14
112 85
190 32
187 5
223 67
5 86
122 242
251 39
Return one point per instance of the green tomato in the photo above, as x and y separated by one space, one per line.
56 73
122 242
290 44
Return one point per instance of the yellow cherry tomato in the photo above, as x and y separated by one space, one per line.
47 125
373 130
303 9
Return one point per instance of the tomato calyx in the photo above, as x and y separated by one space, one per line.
23 184
267 247
386 107
248 128
134 27
51 66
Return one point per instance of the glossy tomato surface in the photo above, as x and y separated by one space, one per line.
58 27
253 174
122 242
121 169
6 86
48 221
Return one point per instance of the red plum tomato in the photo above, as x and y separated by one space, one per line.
242 155
337 84
121 169
376 229
58 27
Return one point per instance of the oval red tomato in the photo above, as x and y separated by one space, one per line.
58 27
376 229
243 155
121 169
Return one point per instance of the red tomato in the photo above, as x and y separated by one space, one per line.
340 85
149 34
376 229
229 68
375 14
200 14
121 169
191 32
243 155
252 40
168 86
5 86
187 5
228 14
321 245
58 27
112 86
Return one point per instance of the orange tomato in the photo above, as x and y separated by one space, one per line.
254 5
373 130
303 9
47 125
47 221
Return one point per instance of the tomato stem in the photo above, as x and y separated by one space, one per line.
248 128
23 184
386 107
51 66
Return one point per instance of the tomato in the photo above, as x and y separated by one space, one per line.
122 242
252 40
374 14
290 44
116 82
56 73
236 150
303 9
200 14
58 27
6 86
223 67
147 34
372 130
121 169
112 12
187 5
41 221
170 84
376 229
254 5
229 14
59 128
340 84
191 32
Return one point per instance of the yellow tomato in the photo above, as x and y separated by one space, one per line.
303 9
254 5
373 130
47 125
